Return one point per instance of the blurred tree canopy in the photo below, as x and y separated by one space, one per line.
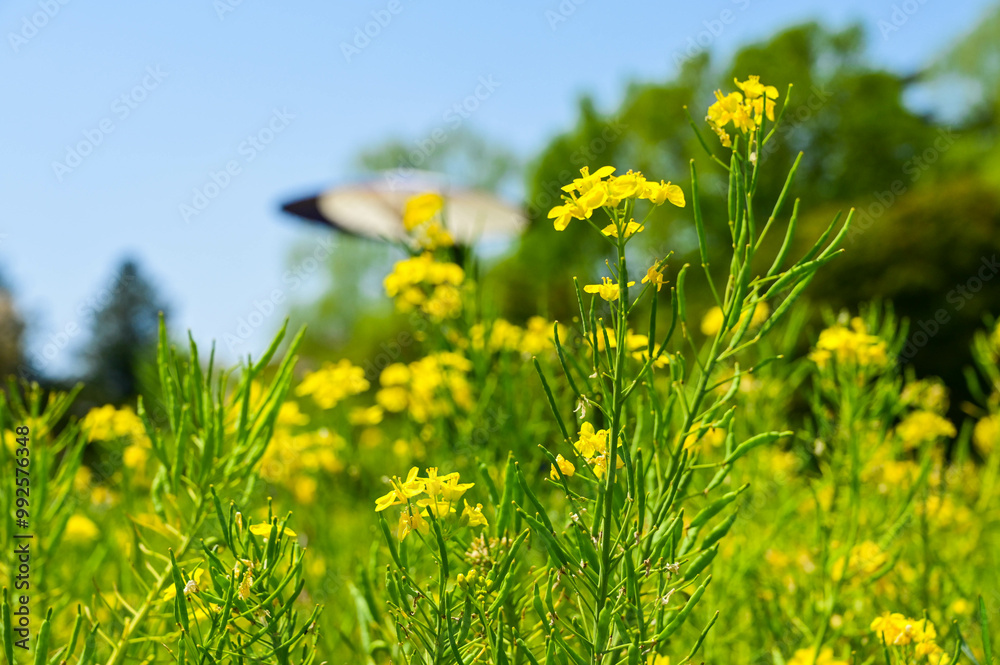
928 212
121 351
11 335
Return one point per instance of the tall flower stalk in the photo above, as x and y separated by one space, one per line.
646 501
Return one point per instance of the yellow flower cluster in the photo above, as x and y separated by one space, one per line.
423 215
294 460
366 416
534 338
80 531
850 345
423 283
332 383
945 513
928 394
591 191
810 657
427 388
897 630
886 473
745 110
866 559
592 445
106 423
290 415
986 433
919 427
442 494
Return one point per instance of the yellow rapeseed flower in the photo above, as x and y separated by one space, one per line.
588 180
401 490
371 415
567 212
654 277
919 427
745 110
106 423
421 282
421 208
865 559
562 467
850 345
986 434
289 415
264 529
591 191
607 289
631 229
411 520
810 657
332 383
661 192
475 515
712 322
80 531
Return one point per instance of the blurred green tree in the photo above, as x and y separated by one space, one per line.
120 355
11 335
925 192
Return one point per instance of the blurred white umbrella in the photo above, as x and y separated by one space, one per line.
373 208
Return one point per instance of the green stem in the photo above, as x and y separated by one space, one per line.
616 427
154 592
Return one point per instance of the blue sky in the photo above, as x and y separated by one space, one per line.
198 117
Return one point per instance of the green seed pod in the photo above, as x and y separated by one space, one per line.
391 588
719 532
662 535
180 601
700 563
754 442
466 624
548 594
42 645
682 616
536 604
712 509
509 480
598 510
501 595
8 629
509 559
550 652
390 541
689 540
603 629
523 484
89 647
